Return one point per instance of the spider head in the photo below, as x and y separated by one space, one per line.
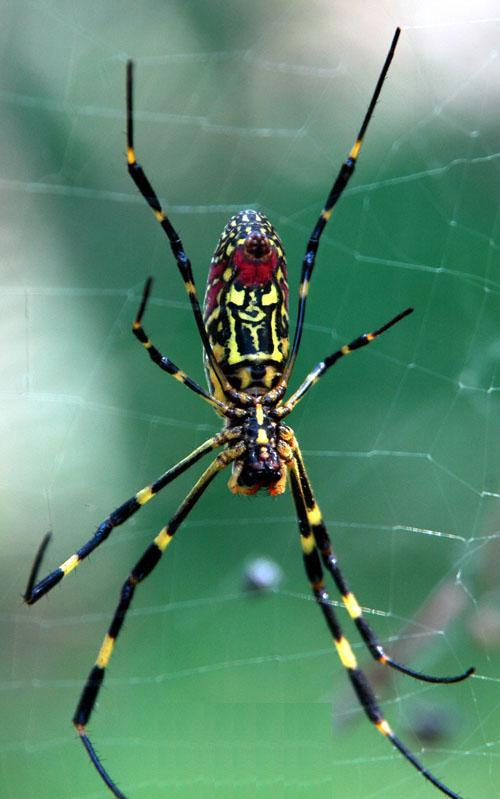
260 466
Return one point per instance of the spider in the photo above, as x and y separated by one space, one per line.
248 364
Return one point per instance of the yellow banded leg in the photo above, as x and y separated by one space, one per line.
315 575
339 184
323 366
35 590
351 604
70 564
105 651
140 179
162 360
358 679
141 570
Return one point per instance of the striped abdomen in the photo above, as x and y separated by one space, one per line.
246 304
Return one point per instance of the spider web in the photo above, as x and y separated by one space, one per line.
212 690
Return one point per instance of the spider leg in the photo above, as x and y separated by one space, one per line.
338 187
183 263
347 657
34 592
141 570
351 604
323 366
169 366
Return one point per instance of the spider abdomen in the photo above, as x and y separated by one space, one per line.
246 305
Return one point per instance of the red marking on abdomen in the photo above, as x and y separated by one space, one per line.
215 283
252 272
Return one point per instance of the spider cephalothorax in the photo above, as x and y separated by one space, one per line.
244 331
263 463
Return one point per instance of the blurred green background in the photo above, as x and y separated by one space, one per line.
214 692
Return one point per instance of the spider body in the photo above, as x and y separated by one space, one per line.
246 316
246 305
248 362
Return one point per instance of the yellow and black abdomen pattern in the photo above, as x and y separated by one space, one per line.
246 304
